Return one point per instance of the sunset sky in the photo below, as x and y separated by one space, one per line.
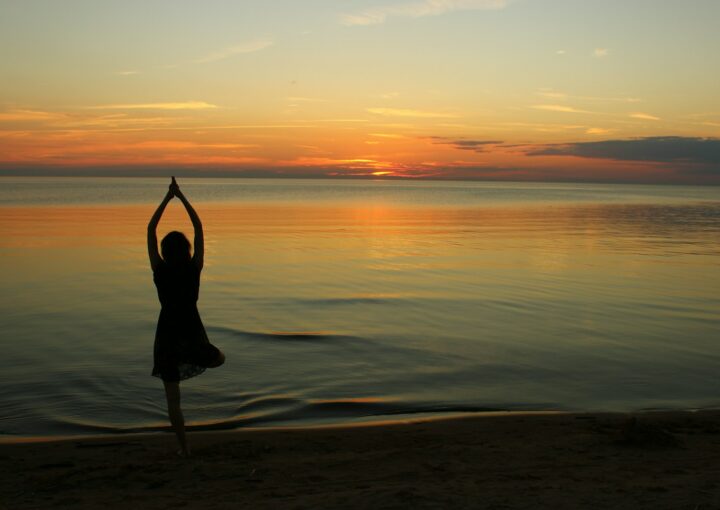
612 90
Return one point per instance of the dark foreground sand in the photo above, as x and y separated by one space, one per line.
668 460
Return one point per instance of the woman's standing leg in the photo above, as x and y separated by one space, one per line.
172 393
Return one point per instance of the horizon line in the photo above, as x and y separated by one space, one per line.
215 174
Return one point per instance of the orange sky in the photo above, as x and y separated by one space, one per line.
472 89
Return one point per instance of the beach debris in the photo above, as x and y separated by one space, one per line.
253 476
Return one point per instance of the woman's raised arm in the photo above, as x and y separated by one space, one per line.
199 243
155 258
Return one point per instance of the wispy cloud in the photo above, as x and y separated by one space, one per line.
126 73
334 162
558 108
418 9
540 127
117 122
184 145
299 99
388 135
17 135
598 131
339 120
601 52
187 105
643 116
400 112
29 115
703 115
90 119
553 94
238 49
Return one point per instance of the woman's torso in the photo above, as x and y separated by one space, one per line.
178 285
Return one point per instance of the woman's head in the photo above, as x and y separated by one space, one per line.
175 248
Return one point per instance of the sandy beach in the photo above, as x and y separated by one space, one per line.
650 460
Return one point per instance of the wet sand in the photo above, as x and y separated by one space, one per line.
651 460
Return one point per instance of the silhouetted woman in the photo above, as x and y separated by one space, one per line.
182 349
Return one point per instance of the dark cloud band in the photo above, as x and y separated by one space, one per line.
465 145
662 149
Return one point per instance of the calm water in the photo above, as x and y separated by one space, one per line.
344 301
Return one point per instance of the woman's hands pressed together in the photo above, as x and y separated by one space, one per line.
174 190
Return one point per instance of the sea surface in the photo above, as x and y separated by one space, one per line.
347 301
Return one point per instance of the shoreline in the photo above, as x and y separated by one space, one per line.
658 459
360 422
219 428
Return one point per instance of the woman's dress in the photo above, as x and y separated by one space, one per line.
182 349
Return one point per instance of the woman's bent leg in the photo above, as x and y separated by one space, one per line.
172 393
218 361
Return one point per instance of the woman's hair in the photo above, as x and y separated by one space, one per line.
175 248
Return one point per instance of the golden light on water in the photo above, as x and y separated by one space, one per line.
373 235
336 301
